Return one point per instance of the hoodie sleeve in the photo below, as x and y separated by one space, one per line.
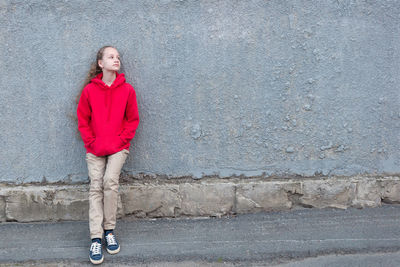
132 118
84 114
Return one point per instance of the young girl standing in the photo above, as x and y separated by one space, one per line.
107 120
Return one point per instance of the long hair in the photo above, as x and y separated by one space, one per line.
93 72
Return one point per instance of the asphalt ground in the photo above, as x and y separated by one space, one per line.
304 237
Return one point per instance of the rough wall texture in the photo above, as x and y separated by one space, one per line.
224 87
204 197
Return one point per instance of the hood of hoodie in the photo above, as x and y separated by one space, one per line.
119 80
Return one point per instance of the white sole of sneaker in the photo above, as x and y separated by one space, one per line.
112 252
98 261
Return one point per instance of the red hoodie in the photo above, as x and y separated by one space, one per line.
107 115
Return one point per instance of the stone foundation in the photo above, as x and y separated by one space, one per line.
204 197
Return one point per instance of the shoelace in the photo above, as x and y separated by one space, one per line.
95 248
111 240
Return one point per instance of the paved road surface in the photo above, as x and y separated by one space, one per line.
306 237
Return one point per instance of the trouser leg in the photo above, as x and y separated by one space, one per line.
111 184
96 169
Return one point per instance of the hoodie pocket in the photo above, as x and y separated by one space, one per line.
106 145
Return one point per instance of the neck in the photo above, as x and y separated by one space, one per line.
108 77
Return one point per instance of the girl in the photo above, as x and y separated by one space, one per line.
107 120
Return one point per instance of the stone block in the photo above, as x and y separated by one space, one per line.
47 204
261 196
149 200
326 193
390 191
2 208
71 203
368 193
206 199
27 205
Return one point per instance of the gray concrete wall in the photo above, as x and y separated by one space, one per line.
224 87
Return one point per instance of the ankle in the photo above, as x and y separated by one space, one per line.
98 240
106 232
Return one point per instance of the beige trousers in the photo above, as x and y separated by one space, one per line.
103 194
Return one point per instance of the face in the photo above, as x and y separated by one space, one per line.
111 60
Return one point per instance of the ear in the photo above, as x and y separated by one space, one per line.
100 63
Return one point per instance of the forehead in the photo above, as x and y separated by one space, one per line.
110 51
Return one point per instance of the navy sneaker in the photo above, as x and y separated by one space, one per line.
96 254
112 243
